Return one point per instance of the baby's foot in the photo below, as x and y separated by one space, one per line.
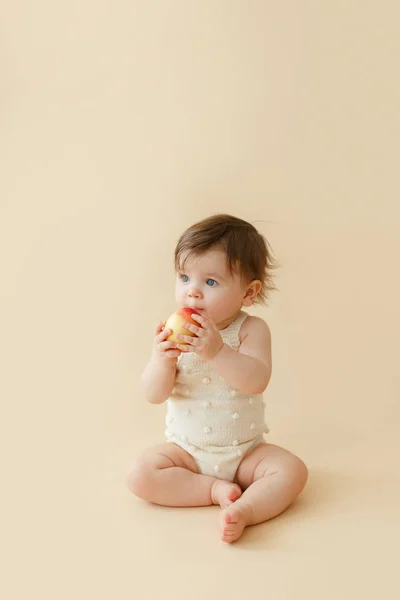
224 493
231 523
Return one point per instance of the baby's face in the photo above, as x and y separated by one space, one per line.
207 284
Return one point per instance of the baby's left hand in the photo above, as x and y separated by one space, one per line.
208 342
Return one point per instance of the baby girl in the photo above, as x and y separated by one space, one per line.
213 383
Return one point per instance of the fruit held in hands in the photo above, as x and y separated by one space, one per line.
176 321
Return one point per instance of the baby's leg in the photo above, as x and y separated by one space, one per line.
168 475
272 479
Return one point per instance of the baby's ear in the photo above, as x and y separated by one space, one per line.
252 292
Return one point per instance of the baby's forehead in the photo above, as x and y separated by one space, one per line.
215 262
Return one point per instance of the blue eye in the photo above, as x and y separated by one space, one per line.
184 278
211 284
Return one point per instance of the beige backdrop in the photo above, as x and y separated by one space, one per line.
121 124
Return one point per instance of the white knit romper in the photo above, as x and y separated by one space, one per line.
212 421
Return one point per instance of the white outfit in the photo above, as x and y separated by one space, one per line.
213 422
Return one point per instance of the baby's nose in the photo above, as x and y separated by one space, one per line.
195 293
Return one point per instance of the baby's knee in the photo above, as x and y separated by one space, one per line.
298 473
138 478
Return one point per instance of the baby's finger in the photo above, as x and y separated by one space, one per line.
163 335
167 346
188 339
199 331
185 348
159 327
173 353
202 319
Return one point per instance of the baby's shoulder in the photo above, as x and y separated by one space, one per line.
253 326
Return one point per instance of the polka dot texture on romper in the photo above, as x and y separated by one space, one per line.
208 415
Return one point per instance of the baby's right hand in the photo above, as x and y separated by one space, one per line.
162 349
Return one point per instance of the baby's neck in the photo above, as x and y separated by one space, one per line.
226 322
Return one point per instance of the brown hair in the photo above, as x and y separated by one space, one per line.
249 253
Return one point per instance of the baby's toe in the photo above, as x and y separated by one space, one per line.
231 524
234 493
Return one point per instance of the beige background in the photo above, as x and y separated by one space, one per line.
121 124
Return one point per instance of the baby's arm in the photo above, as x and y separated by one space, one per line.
249 369
158 378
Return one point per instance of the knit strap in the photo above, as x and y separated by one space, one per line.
230 334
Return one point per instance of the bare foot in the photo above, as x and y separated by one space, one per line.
231 523
225 493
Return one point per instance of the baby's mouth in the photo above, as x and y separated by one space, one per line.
200 310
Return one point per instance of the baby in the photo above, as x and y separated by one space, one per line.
213 384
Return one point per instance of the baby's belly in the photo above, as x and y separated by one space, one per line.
219 422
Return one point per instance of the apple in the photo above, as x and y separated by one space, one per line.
176 321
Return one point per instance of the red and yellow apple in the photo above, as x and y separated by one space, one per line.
176 324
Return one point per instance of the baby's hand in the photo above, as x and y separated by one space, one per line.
163 350
208 342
